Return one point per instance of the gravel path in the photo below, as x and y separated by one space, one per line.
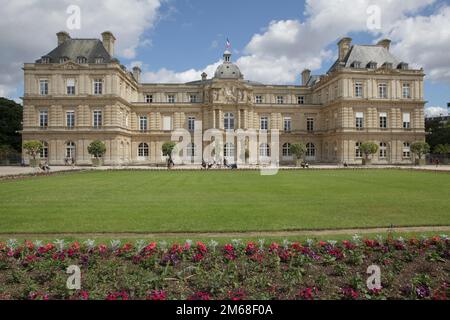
250 234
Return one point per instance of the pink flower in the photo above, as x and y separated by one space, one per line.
236 295
118 296
200 296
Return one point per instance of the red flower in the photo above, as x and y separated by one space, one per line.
102 248
349 293
198 257
348 245
118 296
236 295
38 296
201 247
229 252
200 296
156 295
274 247
308 293
150 247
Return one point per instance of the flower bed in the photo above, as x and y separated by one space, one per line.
410 269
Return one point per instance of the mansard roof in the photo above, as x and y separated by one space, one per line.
366 54
91 49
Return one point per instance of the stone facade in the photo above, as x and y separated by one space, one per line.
79 93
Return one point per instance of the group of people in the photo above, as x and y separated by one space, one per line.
44 166
69 161
208 165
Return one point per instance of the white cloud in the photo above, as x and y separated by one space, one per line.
28 28
426 42
286 47
168 76
435 112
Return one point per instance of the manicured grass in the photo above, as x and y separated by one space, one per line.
144 201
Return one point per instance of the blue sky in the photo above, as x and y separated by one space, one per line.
273 41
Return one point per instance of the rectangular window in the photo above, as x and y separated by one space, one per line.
280 100
359 120
406 91
98 86
358 152
383 120
191 123
70 85
70 119
382 91
43 119
406 120
287 124
406 150
264 123
300 100
171 98
143 123
43 87
148 98
383 150
358 90
310 124
97 119
192 98
167 123
258 99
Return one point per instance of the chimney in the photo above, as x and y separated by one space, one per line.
306 74
137 73
204 76
344 47
385 43
108 40
62 37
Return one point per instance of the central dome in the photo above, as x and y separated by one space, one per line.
228 70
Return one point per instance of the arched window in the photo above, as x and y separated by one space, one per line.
310 150
143 150
264 150
44 152
287 150
383 150
228 121
70 150
190 150
228 150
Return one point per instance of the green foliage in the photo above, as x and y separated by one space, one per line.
10 124
298 150
33 148
420 148
97 148
438 132
442 149
369 148
167 149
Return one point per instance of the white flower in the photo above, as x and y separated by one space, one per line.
236 242
90 244
60 244
38 243
444 237
286 244
261 244
140 245
11 243
379 238
356 238
310 242
332 242
115 244
400 239
212 244
163 245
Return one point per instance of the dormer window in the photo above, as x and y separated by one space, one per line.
403 66
356 65
63 59
372 65
45 60
99 60
81 60
387 65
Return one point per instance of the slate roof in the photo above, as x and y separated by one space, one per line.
365 54
74 48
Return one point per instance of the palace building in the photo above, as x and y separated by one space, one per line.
79 92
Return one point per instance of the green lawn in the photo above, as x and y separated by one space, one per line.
144 201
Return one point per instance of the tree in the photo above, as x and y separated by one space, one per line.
97 149
368 149
420 148
442 149
167 149
10 124
298 150
33 148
